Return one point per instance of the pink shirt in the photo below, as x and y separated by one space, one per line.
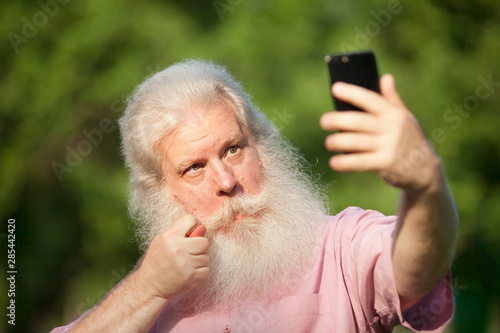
350 288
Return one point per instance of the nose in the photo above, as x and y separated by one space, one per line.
224 179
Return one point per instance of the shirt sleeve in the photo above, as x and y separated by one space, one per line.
368 276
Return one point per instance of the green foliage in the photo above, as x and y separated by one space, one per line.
69 66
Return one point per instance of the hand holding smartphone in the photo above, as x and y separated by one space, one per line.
359 68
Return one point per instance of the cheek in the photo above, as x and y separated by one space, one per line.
205 204
196 200
251 178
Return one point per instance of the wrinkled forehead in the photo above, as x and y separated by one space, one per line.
203 127
212 124
196 116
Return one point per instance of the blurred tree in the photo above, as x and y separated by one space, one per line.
68 68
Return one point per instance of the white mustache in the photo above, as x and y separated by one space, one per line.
245 205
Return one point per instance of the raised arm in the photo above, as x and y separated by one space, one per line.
388 139
173 264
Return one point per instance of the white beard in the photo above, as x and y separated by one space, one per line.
264 254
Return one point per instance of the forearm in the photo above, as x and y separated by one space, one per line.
130 307
425 237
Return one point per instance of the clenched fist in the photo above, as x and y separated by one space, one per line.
176 260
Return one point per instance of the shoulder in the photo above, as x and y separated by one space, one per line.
355 221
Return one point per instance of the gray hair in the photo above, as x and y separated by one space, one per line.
164 100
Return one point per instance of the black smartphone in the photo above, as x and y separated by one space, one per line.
359 68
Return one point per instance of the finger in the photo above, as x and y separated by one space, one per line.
198 231
388 90
200 261
363 98
184 225
196 245
356 162
349 121
202 273
350 142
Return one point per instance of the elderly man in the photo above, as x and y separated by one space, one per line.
235 230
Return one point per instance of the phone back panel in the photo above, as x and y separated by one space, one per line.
355 68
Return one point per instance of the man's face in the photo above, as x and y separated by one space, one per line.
208 163
210 159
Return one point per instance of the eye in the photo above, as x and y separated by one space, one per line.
194 167
233 150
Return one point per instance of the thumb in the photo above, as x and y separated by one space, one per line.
198 231
184 225
388 90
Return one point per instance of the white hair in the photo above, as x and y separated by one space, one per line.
166 99
279 247
161 103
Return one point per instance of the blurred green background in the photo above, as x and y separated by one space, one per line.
68 67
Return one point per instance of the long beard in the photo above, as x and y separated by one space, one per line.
264 253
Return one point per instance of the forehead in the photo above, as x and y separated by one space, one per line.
202 132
